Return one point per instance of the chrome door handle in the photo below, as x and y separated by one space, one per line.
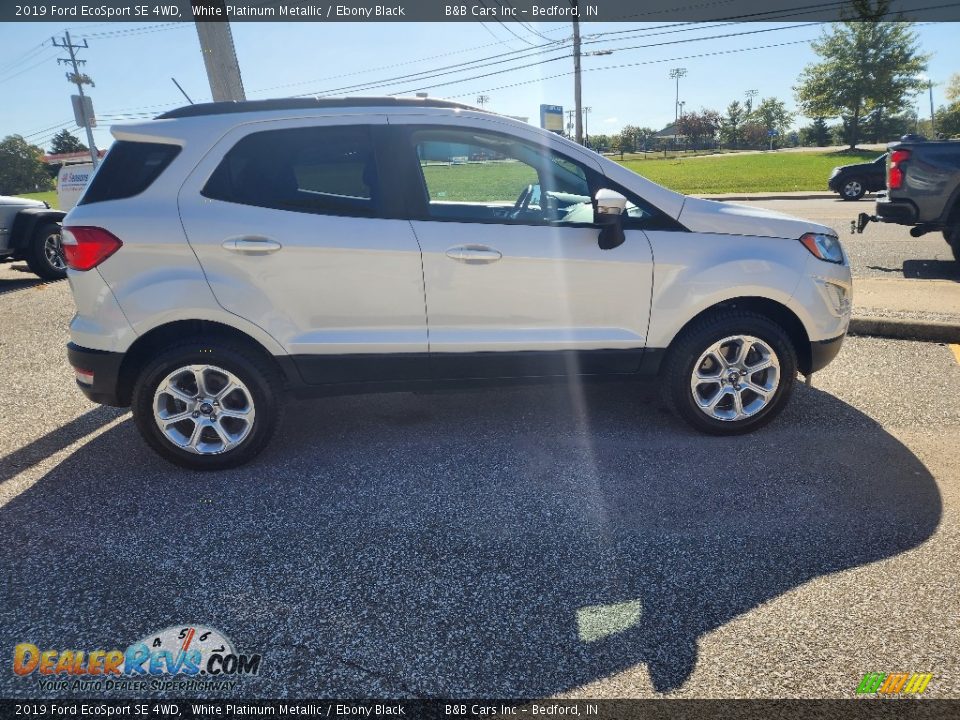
474 254
252 245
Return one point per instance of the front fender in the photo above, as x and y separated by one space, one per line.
695 271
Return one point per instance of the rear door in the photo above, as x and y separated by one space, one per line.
291 223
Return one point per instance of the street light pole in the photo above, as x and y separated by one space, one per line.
577 99
677 73
933 122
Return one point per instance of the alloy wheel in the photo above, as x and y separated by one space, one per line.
53 252
735 378
204 409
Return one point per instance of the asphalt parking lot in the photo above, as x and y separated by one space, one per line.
520 542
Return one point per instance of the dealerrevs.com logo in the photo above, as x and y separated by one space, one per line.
180 657
894 683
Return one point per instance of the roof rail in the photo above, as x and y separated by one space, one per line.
219 108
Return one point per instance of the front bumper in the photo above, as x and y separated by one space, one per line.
822 352
101 372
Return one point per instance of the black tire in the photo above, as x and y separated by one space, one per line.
853 188
38 255
695 340
255 372
952 236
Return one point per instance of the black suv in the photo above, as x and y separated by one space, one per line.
853 181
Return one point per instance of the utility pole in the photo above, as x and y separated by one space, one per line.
751 94
570 114
79 79
933 122
482 100
577 97
586 125
219 54
677 73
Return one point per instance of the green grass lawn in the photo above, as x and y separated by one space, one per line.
50 197
770 172
478 182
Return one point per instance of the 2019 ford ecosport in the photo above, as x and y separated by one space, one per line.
227 254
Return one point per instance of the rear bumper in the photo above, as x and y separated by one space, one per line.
105 369
902 212
822 352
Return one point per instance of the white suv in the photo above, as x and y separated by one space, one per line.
227 253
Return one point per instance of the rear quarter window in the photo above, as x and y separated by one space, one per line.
324 170
128 169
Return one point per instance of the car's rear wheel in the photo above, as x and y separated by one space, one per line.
207 406
45 253
730 372
853 189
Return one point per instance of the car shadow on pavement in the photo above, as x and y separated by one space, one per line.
38 450
931 270
18 283
513 543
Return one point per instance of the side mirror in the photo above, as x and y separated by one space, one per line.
608 207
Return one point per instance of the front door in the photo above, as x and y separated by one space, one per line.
516 283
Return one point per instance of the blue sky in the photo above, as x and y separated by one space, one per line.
132 65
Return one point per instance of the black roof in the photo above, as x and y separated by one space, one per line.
219 108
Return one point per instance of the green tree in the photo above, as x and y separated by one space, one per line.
953 88
633 138
772 114
816 134
730 130
21 167
65 142
865 68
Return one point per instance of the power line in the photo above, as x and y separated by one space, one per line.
26 57
27 69
636 64
58 126
470 66
127 32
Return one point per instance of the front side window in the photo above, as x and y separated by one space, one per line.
327 170
482 177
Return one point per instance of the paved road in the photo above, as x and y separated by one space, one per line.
520 542
883 250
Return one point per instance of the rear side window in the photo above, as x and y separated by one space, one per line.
326 170
128 169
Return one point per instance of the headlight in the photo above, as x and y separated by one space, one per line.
825 247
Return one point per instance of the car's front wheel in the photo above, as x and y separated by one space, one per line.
207 406
730 372
853 189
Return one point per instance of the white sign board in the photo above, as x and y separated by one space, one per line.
71 182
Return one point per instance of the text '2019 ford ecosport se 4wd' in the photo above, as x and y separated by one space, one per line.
226 254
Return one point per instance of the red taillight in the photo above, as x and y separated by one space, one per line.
895 174
86 247
898 156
